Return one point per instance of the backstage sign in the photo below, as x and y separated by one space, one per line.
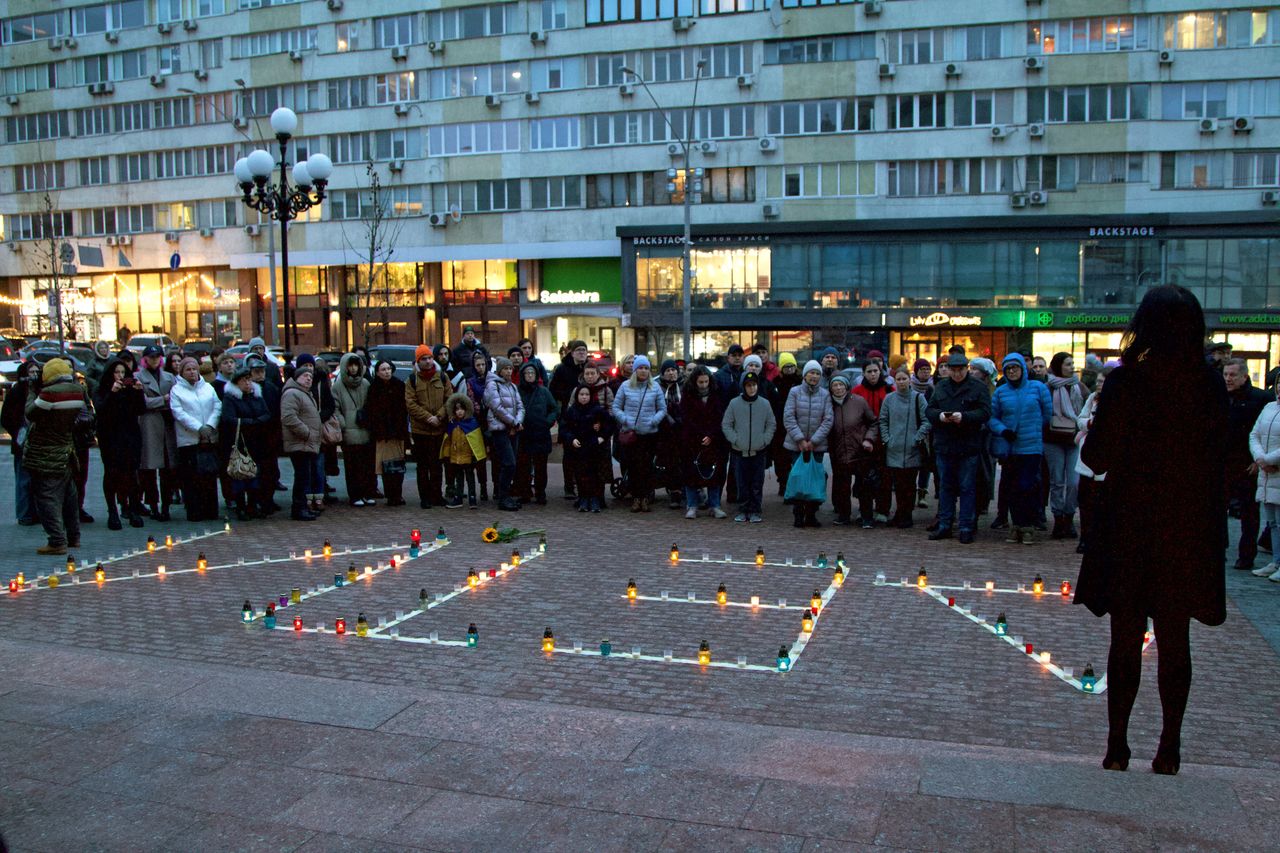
717 239
1123 231
939 318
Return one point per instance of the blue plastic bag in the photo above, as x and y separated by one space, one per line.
807 480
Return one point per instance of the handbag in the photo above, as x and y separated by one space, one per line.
241 465
807 480
393 466
84 430
628 437
206 462
331 431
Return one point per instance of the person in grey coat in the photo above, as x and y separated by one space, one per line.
748 425
159 441
903 430
350 392
639 407
807 418
505 421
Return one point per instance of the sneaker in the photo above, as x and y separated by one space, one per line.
1028 536
691 512
841 521
881 518
454 503
471 504
1267 570
868 524
1274 576
1015 535
756 518
740 518
1000 524
717 512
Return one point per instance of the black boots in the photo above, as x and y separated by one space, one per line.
393 485
1064 528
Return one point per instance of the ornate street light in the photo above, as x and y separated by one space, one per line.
281 202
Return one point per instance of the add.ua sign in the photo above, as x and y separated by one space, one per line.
569 297
939 318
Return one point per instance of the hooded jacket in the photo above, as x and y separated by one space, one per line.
449 373
541 411
1264 443
386 415
119 442
249 413
424 397
350 395
852 422
581 422
463 356
194 405
503 407
807 416
564 379
1025 408
463 439
50 449
873 394
903 427
300 419
639 407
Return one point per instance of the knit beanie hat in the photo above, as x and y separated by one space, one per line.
305 358
669 364
896 361
824 352
841 378
640 361
752 363
919 363
986 365
257 342
188 362
423 351
515 351
54 369
500 363
786 358
813 366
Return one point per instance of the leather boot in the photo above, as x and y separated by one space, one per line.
1059 528
1069 528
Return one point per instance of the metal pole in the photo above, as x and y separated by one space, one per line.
282 213
271 263
686 305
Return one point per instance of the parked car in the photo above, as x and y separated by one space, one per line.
138 343
276 354
197 347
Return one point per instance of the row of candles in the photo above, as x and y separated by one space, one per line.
820 563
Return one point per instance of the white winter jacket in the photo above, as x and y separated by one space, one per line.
1264 443
193 406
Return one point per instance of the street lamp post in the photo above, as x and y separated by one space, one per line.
692 183
279 201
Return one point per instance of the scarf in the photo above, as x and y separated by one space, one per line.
353 382
1056 382
427 374
924 386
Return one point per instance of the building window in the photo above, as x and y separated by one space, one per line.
93 121
210 51
554 133
734 122
175 216
207 8
133 167
917 178
169 59
348 36
1193 100
820 180
915 47
615 11
1255 168
108 16
349 147
38 226
172 112
471 22
94 171
216 214
917 111
1197 170
131 219
617 190
1195 30
1088 103
395 88
396 31
482 137
555 193
555 14
30 78
32 177
348 93
24 28
549 75
30 128
1089 35
278 41
983 108
792 4
829 116
130 117
982 42
465 81
719 186
823 49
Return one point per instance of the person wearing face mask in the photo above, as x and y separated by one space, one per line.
350 396
639 408
300 420
159 442
788 378
1021 410
852 453
196 410
807 419
703 454
388 420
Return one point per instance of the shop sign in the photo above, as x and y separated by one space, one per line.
1248 319
1045 319
940 318
569 297
1124 231
718 239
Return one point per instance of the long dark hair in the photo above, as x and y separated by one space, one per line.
691 383
1055 365
1167 327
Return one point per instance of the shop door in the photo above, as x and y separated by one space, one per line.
928 350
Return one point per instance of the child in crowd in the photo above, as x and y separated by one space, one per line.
463 447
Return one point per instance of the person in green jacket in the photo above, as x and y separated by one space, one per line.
50 454
541 411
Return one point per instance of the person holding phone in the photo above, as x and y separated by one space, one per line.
119 402
958 409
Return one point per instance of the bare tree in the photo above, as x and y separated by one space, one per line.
375 246
53 262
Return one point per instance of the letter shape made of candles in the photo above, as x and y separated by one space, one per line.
201 562
328 549
922 579
473 579
704 653
837 577
340 625
548 641
815 602
722 596
246 612
784 659
759 556
806 623
631 589
1002 625
675 553
1037 585
362 626
473 636
352 574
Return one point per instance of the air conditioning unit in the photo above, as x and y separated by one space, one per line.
1268 197
532 97
1166 57
1208 125
164 28
767 144
396 165
1033 63
400 53
295 55
206 232
952 69
492 101
190 24
674 149
70 42
682 24
538 37
171 236
709 147
17 247
771 211
435 47
887 69
112 36
626 90
124 240
157 80
253 230
746 81
55 44
335 5
1035 130
871 8
201 74
1038 198
101 88
438 220
240 122
111 241
401 109
11 100
999 132
1242 124
1018 200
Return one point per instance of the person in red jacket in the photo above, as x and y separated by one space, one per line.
873 388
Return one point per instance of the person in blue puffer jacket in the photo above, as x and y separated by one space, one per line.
1020 412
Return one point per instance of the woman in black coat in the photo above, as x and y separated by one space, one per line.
704 453
245 409
387 419
1161 528
118 403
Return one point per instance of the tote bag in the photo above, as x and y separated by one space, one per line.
807 480
240 466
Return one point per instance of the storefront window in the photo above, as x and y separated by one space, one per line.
722 278
395 286
490 282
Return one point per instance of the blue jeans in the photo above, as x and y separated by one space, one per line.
504 454
23 506
1064 482
693 496
1022 471
958 478
317 475
749 472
